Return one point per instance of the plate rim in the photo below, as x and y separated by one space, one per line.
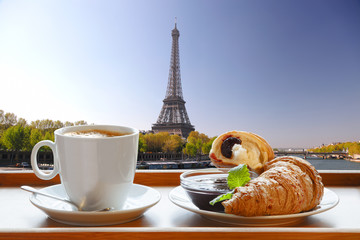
221 215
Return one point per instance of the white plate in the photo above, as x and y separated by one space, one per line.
140 199
179 197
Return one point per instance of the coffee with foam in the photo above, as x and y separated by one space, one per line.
95 133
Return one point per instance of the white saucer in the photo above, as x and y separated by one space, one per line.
140 199
179 197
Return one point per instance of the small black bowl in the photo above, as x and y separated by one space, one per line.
204 185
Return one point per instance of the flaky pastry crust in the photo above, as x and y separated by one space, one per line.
288 185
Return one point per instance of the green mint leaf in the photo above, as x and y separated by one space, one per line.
221 198
238 176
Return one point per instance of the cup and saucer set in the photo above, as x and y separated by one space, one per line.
96 164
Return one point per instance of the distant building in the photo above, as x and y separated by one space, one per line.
173 117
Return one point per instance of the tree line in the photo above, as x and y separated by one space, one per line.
351 147
196 143
17 134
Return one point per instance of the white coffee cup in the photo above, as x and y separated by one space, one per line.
97 172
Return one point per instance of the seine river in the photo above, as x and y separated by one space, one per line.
333 164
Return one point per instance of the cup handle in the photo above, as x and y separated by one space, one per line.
39 173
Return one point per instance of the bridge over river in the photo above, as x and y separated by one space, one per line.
307 154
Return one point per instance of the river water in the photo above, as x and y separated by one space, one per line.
333 164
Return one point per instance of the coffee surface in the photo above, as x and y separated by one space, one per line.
95 133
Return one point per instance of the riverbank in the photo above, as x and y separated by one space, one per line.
318 163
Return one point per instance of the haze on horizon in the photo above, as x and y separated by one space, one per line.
286 70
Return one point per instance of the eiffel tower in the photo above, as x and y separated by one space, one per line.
173 117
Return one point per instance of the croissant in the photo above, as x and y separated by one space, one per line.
233 148
288 185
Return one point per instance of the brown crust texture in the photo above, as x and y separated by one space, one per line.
256 151
288 185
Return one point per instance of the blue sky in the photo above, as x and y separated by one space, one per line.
284 69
